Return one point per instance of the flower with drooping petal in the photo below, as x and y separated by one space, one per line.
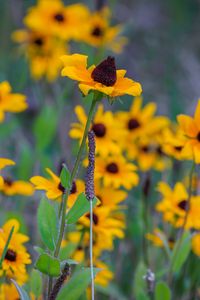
103 78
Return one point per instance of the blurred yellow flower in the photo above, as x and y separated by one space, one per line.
8 292
103 78
104 276
196 244
156 238
17 257
174 206
107 131
115 171
191 128
16 187
139 122
43 53
10 102
54 18
6 162
100 34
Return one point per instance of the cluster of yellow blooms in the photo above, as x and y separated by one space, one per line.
51 25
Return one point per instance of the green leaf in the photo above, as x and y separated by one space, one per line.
111 290
6 246
47 223
65 177
76 286
179 258
139 286
39 250
36 283
23 294
162 291
48 265
80 207
45 127
67 251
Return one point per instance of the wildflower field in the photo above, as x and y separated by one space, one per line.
99 150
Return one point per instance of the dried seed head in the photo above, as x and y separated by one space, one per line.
150 280
89 182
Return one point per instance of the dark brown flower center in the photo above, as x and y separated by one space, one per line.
159 151
112 168
99 129
8 181
11 255
94 218
105 72
133 124
145 149
73 188
38 41
61 187
59 17
198 137
97 31
183 205
178 148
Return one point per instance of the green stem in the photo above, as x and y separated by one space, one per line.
96 98
184 223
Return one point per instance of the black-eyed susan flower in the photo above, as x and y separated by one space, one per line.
105 227
10 102
157 236
191 129
103 277
139 122
103 78
42 52
3 163
54 18
116 171
78 187
107 131
12 187
17 257
108 196
52 186
173 143
196 244
174 206
99 33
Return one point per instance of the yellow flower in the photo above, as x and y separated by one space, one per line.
99 33
10 102
105 228
148 153
196 244
173 143
104 276
115 171
3 163
139 122
52 186
174 205
107 131
103 78
6 162
54 189
16 259
191 128
108 196
53 18
8 292
156 238
43 53
17 187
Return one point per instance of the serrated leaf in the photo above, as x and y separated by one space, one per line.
48 265
23 294
80 207
162 291
47 224
76 286
65 177
36 283
178 259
